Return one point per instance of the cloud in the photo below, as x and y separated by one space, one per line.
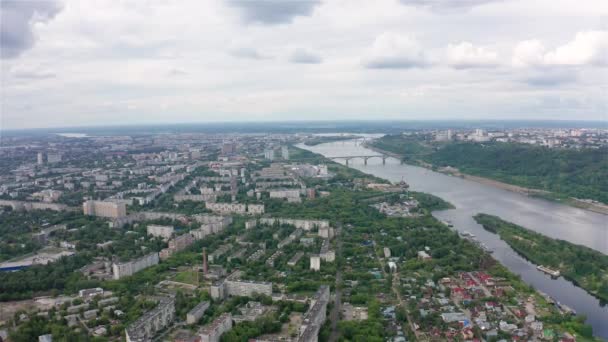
305 57
551 77
528 53
273 11
448 5
587 48
17 20
393 51
247 52
33 75
464 56
177 72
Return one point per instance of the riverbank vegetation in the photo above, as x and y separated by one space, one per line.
581 173
583 266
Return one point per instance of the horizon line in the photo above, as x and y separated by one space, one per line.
214 123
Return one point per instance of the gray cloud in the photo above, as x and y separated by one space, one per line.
177 72
396 63
305 57
17 20
550 77
247 52
33 75
273 11
447 5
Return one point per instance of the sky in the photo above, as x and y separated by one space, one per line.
114 62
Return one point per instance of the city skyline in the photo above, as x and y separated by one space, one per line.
66 63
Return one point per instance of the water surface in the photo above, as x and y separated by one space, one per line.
552 219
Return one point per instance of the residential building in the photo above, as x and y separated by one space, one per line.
121 270
107 209
45 338
326 232
269 154
90 293
241 288
53 158
326 253
315 316
145 327
213 331
294 260
164 232
315 262
197 312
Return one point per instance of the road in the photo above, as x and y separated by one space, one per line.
335 312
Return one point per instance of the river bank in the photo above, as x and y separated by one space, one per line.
580 265
547 195
549 218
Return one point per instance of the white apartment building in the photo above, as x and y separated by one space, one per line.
164 232
105 209
129 268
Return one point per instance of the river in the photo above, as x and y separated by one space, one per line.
552 219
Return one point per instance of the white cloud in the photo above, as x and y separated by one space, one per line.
448 5
394 51
528 53
216 60
590 47
464 55
587 48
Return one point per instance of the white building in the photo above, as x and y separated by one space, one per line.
302 224
241 288
315 262
105 209
213 331
164 232
326 232
129 268
255 209
227 208
269 154
292 195
145 327
387 252
45 338
197 312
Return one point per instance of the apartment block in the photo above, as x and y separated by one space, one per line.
315 316
164 232
121 270
107 209
213 331
145 327
197 312
241 288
